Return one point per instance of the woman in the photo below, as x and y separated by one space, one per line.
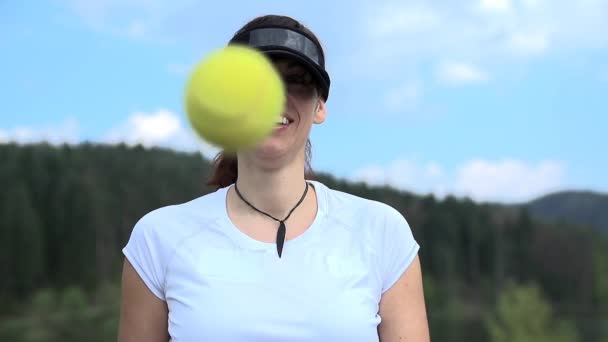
272 255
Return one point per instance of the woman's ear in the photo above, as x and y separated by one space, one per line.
320 112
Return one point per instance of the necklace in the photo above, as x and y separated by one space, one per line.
282 230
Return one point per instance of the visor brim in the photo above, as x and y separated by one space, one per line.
321 77
279 41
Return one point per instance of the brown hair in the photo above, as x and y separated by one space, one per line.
225 166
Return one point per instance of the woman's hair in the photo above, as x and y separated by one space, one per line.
225 166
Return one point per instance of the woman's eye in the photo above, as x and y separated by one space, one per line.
300 85
295 79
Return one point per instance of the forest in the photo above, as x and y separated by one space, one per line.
491 272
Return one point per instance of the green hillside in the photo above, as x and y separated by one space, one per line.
66 212
574 207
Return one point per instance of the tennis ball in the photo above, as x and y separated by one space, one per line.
234 98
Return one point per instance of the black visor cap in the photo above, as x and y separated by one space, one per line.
279 41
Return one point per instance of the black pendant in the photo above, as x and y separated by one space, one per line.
281 238
282 231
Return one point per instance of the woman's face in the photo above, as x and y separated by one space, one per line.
304 107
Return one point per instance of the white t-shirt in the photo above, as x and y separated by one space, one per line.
222 285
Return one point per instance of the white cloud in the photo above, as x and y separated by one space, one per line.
409 19
178 69
506 32
532 4
505 180
149 129
413 28
66 132
404 174
96 11
162 128
528 43
510 180
136 29
495 5
404 97
460 73
433 169
132 18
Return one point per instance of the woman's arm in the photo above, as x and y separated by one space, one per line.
143 316
403 309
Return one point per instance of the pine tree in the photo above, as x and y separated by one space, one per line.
20 232
523 314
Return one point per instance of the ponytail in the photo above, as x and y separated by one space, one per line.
225 170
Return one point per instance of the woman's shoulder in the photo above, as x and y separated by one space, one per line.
345 204
176 221
158 234
379 226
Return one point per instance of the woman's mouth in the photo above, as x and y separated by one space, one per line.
283 123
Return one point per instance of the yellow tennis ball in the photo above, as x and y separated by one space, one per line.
234 98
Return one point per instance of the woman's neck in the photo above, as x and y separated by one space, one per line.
274 191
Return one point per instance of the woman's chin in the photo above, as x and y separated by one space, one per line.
273 152
271 147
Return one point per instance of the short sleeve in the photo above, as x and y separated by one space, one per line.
146 253
400 248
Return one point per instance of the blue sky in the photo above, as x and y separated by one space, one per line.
498 100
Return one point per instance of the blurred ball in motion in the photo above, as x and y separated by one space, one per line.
234 98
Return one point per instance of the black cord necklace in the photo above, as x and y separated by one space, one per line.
282 231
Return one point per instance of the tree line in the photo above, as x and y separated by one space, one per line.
66 212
